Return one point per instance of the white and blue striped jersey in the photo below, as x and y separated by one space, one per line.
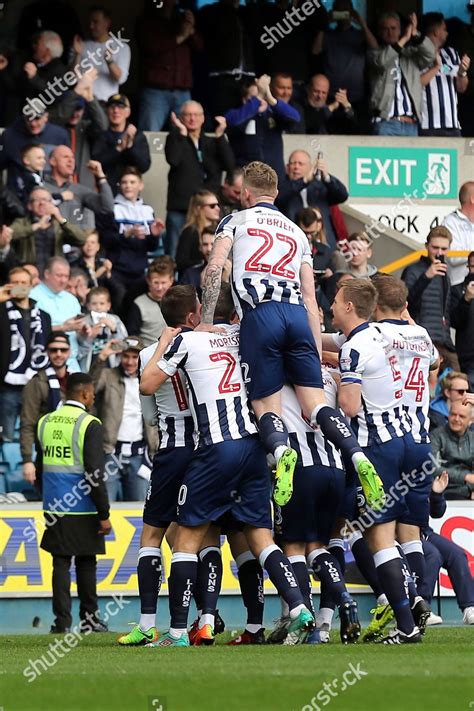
218 398
312 447
368 359
268 250
173 417
415 354
402 104
440 98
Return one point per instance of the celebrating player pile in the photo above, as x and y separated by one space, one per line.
210 474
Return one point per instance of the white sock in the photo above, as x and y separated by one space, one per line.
358 457
296 611
207 619
253 628
324 616
177 633
382 599
279 452
147 621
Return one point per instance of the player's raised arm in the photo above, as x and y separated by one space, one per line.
309 297
153 377
212 281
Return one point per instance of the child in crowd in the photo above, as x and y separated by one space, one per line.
138 232
34 161
101 327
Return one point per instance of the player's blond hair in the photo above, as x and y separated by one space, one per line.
260 179
363 296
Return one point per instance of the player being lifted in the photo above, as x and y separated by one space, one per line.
273 291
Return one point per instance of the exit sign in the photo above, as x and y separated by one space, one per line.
421 173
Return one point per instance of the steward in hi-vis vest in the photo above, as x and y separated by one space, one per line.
75 502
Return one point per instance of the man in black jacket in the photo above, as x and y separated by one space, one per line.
24 330
462 319
121 145
429 297
196 161
309 185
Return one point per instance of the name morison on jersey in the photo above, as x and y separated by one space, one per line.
173 417
218 399
268 250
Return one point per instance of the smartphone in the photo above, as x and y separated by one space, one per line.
20 291
119 346
318 175
341 15
441 258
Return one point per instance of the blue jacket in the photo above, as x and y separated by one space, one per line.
264 140
16 136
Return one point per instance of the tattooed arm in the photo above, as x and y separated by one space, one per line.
212 281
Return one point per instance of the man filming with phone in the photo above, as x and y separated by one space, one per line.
429 294
24 330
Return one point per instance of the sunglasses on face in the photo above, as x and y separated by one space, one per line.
461 391
211 204
57 349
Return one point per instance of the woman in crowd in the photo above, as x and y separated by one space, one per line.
203 211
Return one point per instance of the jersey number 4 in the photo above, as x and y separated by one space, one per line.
256 264
415 380
225 386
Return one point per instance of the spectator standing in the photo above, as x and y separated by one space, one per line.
462 319
230 59
196 162
255 128
144 316
166 37
24 331
360 249
43 233
42 394
396 97
228 194
112 62
118 406
76 464
203 211
46 66
121 145
464 43
34 161
429 297
78 286
25 131
83 117
323 118
302 187
64 309
8 256
461 225
101 327
344 51
79 204
442 82
454 445
193 275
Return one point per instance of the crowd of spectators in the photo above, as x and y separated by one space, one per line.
85 262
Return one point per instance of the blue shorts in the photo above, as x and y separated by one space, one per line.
169 468
389 459
229 477
277 346
317 501
418 477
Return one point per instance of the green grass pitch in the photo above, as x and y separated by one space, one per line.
98 675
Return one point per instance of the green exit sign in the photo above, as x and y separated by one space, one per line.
398 172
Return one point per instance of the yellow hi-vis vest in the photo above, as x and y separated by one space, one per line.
61 436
